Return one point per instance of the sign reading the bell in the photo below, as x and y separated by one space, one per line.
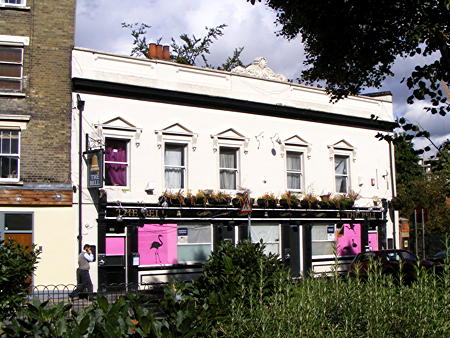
95 168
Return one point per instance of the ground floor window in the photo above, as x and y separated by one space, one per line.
323 240
193 243
270 236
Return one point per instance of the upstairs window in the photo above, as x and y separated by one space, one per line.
341 171
116 162
14 2
11 60
228 168
10 155
175 166
294 170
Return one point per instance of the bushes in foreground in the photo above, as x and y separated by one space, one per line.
244 293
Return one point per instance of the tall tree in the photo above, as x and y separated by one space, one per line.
351 44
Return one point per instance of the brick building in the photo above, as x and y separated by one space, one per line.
36 40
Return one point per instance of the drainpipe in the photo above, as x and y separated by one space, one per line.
80 107
394 192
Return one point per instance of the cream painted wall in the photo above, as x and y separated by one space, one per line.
55 232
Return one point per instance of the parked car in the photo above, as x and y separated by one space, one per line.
390 261
440 257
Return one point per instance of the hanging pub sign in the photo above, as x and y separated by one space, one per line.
94 159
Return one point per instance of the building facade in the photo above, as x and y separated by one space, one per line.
36 40
155 133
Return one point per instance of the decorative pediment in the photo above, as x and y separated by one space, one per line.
177 130
116 127
342 145
230 135
259 68
118 123
297 141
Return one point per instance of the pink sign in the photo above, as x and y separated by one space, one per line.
349 240
373 241
157 244
114 246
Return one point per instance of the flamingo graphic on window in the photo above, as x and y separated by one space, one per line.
156 245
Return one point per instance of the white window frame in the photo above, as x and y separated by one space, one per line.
128 149
22 3
210 243
323 240
348 175
183 167
10 155
236 170
9 78
300 172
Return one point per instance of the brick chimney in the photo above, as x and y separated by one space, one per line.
158 52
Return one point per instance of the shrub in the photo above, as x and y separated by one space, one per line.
17 263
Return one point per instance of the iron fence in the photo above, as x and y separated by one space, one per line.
59 293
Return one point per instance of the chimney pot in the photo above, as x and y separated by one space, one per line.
152 51
166 53
159 52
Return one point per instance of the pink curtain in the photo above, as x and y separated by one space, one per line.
116 174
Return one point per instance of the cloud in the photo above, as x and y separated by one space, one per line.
98 26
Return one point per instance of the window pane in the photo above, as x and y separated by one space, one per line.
174 178
293 161
10 70
6 143
227 179
14 142
9 167
195 253
228 158
294 181
10 85
340 165
322 248
195 234
174 155
19 222
116 174
319 233
341 184
116 150
8 54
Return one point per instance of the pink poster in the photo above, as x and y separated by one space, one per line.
373 241
157 244
114 246
349 240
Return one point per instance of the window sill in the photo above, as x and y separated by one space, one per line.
17 183
15 7
12 94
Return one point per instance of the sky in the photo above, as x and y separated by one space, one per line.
98 27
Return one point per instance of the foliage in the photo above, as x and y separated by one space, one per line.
407 166
189 50
17 264
193 47
268 197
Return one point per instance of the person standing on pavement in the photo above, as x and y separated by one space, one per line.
83 278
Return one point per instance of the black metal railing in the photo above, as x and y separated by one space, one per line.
59 293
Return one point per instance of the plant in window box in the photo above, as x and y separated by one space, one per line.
268 200
219 198
189 199
289 200
325 201
238 200
166 198
309 201
200 198
177 198
349 200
